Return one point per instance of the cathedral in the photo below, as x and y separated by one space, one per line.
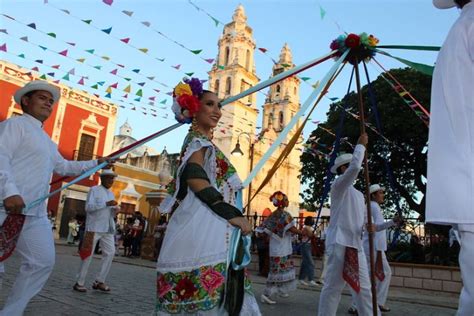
233 72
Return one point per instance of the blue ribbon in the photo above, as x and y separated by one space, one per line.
234 241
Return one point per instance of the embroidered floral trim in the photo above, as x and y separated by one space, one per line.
278 223
190 291
281 265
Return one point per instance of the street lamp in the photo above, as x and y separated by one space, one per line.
237 151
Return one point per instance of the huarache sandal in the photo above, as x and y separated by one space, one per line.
352 310
101 286
79 288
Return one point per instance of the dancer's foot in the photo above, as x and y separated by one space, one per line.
266 299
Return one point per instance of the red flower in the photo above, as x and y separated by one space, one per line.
222 167
162 286
211 280
352 40
185 289
189 102
277 259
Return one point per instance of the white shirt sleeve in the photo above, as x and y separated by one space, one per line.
346 179
95 201
10 140
69 167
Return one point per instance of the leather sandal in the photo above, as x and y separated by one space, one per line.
101 286
384 308
79 288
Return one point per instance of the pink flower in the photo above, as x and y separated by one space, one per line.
211 280
163 286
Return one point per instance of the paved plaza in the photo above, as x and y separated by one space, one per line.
133 283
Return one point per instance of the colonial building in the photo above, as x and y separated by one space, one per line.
81 125
233 72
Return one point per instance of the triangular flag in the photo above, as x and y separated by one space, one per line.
66 77
139 93
108 2
220 67
115 85
64 52
81 60
39 61
151 78
125 40
209 60
32 25
157 90
322 12
305 78
90 51
52 34
109 90
152 98
120 65
263 50
141 84
21 55
114 72
333 99
133 109
128 79
95 86
169 93
43 77
129 13
177 67
164 101
51 74
87 21
136 70
144 50
146 23
72 72
65 11
24 38
315 85
105 57
55 66
286 65
98 67
189 74
3 48
3 31
71 43
125 95
196 51
216 21
43 47
56 81
107 30
137 99
108 95
101 83
81 82
160 59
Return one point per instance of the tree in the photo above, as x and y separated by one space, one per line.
405 151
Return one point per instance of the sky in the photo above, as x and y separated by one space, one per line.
162 27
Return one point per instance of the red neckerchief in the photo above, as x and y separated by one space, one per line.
350 272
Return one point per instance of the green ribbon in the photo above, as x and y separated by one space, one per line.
426 69
411 47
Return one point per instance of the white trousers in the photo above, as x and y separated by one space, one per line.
466 262
334 284
107 245
381 286
36 248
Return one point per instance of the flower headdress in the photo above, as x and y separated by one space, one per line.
362 46
186 99
279 199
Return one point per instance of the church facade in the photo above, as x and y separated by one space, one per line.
233 72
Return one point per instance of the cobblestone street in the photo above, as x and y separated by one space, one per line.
133 293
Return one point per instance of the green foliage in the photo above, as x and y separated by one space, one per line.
405 151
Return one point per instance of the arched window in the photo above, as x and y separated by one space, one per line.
227 86
247 60
294 91
278 88
280 119
216 87
226 56
270 119
242 85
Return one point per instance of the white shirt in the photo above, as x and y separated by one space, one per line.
450 185
347 206
100 217
380 236
28 157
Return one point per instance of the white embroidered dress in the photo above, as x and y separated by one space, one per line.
192 265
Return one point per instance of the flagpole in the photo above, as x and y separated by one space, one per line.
367 193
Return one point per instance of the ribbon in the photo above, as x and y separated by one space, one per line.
426 69
350 271
411 47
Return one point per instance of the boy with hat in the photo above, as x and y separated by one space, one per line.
450 189
28 157
101 208
346 257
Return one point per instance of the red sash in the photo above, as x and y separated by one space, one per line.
350 272
9 234
87 245
379 267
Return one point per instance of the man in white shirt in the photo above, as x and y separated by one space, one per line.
346 257
100 226
450 189
28 157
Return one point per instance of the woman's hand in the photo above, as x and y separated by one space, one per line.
242 223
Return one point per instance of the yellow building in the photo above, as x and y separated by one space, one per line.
233 72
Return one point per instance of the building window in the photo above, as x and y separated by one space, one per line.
278 88
270 119
280 119
86 147
242 85
294 91
227 86
227 55
247 60
216 87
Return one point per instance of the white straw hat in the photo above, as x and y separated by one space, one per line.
341 160
444 4
36 85
375 187
108 172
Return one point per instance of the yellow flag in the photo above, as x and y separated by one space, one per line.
127 89
145 50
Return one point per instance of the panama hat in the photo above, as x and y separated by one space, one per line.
108 172
341 160
375 187
444 4
37 85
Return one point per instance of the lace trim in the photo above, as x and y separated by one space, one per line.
209 260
